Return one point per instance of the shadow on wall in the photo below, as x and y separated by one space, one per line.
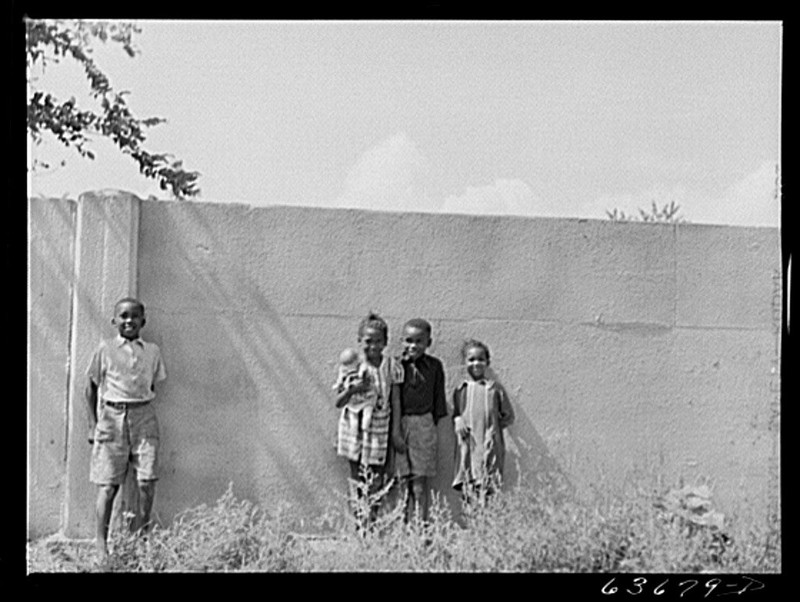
52 266
246 411
244 403
529 462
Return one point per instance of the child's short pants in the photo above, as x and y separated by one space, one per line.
420 435
124 437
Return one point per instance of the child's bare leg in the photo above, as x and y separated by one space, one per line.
409 495
356 479
418 497
103 508
375 481
147 491
422 496
355 488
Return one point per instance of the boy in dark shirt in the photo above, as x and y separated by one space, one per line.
422 404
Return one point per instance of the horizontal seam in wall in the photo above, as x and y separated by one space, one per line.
490 319
543 321
747 328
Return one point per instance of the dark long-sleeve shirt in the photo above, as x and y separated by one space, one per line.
423 388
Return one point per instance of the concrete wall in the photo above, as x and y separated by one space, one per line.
51 236
623 345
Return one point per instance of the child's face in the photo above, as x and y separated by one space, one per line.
372 343
129 319
415 342
476 362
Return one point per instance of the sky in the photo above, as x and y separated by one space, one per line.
552 119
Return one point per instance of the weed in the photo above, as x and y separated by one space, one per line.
645 528
232 535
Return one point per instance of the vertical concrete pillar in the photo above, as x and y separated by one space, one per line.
105 270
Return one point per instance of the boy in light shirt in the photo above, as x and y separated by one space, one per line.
123 428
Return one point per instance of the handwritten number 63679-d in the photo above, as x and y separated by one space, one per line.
714 586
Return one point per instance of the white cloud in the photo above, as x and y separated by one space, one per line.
751 201
504 197
386 177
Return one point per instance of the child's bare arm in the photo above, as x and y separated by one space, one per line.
397 432
439 395
459 425
505 410
344 395
90 394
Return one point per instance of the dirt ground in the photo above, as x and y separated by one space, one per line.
57 554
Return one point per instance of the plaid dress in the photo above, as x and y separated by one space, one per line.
369 446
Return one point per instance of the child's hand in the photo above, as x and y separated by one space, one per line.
461 428
359 386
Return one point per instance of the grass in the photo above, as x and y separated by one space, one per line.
547 529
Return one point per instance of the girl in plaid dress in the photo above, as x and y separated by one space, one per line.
366 448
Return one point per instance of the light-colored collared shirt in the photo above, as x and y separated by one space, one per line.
126 370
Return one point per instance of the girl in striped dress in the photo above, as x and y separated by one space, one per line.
364 443
481 410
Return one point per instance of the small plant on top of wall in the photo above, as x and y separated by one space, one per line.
669 213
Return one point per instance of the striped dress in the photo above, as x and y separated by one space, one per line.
369 446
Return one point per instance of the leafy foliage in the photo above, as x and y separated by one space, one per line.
49 42
669 213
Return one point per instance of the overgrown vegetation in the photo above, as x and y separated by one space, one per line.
639 530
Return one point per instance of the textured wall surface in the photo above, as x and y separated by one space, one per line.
51 236
623 345
104 272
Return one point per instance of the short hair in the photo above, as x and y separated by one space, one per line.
133 300
420 324
475 344
375 322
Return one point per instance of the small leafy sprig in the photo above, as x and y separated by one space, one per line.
669 213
